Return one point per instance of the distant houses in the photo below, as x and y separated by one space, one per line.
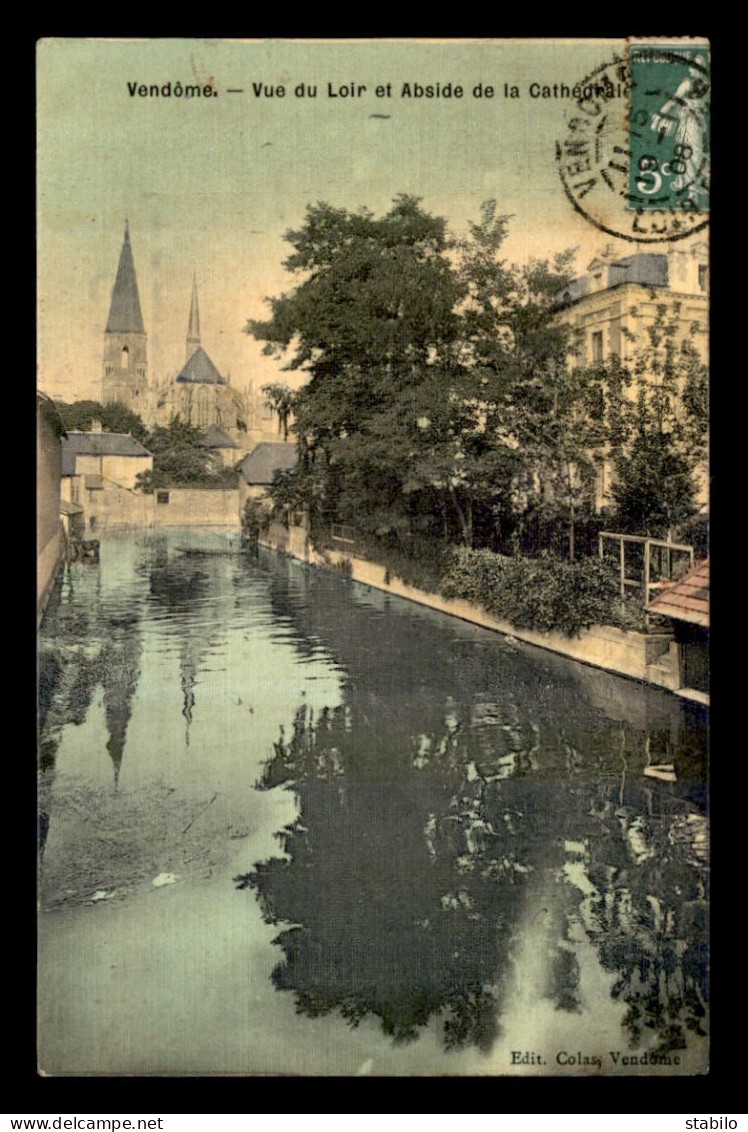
220 445
103 458
49 432
99 469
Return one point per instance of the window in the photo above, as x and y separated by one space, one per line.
703 277
125 357
162 497
602 483
204 408
597 346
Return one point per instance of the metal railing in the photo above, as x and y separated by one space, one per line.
659 557
344 537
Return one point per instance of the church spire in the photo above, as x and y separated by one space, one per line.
193 329
125 316
125 371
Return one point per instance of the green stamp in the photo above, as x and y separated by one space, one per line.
669 128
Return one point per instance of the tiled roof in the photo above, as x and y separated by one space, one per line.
687 599
200 370
101 444
215 437
266 459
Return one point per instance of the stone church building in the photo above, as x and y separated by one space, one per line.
125 375
197 392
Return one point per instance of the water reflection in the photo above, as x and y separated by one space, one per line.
463 800
474 817
94 646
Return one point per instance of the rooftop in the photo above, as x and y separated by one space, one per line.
125 315
98 444
649 269
267 458
215 437
200 370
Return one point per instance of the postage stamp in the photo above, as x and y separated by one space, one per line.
669 128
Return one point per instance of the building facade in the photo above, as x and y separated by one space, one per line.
614 309
49 434
100 473
199 394
610 307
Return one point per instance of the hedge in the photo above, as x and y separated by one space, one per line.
535 593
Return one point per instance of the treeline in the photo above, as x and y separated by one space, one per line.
443 404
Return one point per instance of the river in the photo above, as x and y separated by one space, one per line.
292 825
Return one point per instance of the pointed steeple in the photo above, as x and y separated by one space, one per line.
125 316
125 370
193 328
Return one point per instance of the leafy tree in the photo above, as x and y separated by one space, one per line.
372 321
80 415
179 457
440 397
526 434
280 399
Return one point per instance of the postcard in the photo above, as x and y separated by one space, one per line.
373 572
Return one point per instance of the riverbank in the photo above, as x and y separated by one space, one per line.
652 658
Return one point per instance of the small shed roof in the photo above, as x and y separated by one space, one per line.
260 465
687 599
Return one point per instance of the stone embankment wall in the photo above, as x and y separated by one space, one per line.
650 657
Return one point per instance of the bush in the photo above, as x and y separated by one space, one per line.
255 520
534 593
417 561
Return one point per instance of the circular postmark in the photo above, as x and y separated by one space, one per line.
634 160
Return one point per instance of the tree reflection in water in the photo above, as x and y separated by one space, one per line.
390 885
409 872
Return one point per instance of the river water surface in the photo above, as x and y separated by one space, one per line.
293 825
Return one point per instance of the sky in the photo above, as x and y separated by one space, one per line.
210 185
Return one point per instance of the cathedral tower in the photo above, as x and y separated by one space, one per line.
124 377
193 329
